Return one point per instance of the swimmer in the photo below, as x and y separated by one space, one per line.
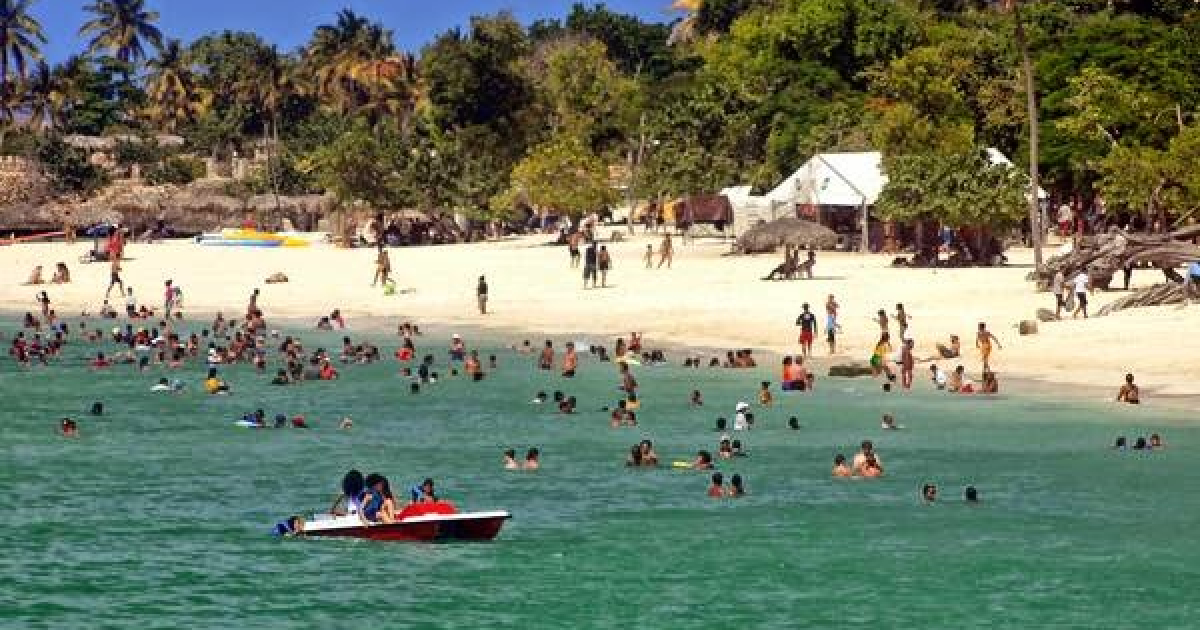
889 423
345 423
866 449
1121 444
1156 441
538 399
697 400
971 495
510 460
929 493
1129 392
736 487
871 468
738 451
722 423
764 394
725 449
532 459
840 469
794 423
716 489
68 428
1140 444
163 385
649 456
703 461
298 422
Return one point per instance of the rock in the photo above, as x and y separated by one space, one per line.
1028 327
851 370
1045 315
277 278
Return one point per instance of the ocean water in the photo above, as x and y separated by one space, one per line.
159 515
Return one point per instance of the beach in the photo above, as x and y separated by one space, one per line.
707 300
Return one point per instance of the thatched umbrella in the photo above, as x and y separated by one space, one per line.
767 237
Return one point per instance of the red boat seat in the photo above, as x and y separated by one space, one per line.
421 509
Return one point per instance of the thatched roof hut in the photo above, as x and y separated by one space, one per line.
767 237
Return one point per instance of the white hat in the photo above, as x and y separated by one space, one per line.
742 406
455 336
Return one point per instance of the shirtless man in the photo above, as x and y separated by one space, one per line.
831 325
570 361
983 340
907 363
666 252
546 358
1129 392
573 248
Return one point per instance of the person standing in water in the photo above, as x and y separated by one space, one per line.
983 341
1129 392
902 318
481 295
666 252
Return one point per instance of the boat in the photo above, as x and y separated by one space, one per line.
418 522
251 238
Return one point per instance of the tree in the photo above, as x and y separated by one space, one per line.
562 175
584 91
121 27
172 91
67 169
963 190
20 35
1035 223
43 98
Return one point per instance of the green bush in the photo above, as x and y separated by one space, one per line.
68 168
176 170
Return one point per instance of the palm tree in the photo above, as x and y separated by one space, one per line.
121 27
355 65
174 97
20 34
44 97
1035 223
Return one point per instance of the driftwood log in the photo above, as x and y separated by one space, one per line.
1103 255
1157 295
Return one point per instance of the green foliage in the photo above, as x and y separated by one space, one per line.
177 169
358 167
561 175
68 169
144 151
956 189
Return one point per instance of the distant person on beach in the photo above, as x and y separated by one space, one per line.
1058 287
1083 285
62 275
907 364
808 329
938 377
1190 281
666 252
880 359
383 267
983 341
1129 392
573 248
604 264
831 323
590 263
481 294
648 257
902 318
35 276
168 299
114 277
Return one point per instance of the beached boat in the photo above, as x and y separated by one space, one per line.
421 522
251 238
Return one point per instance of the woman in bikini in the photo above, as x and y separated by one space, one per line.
983 341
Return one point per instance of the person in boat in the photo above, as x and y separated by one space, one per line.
350 499
425 492
375 500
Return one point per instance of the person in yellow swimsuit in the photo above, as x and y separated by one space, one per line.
983 341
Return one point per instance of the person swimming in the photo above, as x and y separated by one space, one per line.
291 527
929 493
510 460
532 459
794 423
703 461
716 489
736 487
840 469
68 428
971 495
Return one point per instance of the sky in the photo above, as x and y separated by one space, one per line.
289 23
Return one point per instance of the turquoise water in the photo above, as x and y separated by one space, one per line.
158 516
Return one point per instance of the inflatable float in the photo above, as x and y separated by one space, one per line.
250 238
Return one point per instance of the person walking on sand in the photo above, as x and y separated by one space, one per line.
1057 287
168 299
114 277
383 267
648 257
983 340
590 262
573 248
666 251
831 325
808 329
902 318
907 363
604 263
481 295
1191 281
1083 284
252 305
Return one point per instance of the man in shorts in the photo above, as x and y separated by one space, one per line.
808 328
1190 281
1083 283
590 264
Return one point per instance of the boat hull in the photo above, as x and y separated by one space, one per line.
477 526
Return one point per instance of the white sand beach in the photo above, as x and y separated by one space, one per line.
706 300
